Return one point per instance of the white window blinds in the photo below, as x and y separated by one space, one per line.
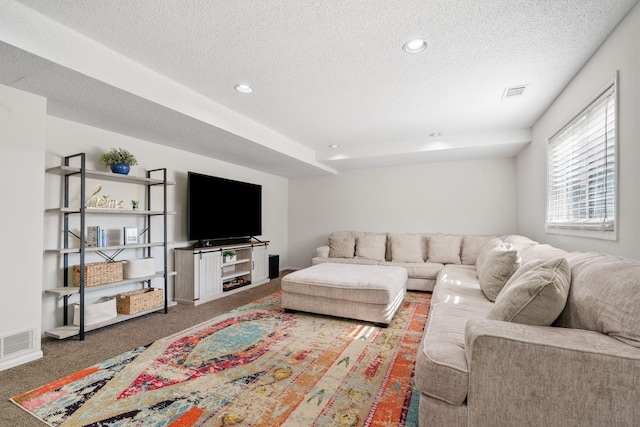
582 168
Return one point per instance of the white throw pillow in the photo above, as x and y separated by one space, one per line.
537 297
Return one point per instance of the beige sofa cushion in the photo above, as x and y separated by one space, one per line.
472 244
496 242
342 244
537 297
498 267
406 247
445 248
441 364
523 269
371 246
604 296
417 270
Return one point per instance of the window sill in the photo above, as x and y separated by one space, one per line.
582 232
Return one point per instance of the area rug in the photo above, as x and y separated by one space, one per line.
254 366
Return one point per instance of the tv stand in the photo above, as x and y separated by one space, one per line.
205 273
222 242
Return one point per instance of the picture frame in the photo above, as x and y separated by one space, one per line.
131 236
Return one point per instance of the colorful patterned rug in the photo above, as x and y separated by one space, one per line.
254 366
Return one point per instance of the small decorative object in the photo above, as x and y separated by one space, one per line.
96 201
229 256
130 235
119 160
134 204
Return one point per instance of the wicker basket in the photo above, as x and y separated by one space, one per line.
98 273
140 300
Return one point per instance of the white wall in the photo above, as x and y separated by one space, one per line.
621 51
65 138
456 197
22 134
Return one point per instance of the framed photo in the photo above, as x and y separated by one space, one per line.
131 235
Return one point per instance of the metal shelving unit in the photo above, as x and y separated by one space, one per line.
68 291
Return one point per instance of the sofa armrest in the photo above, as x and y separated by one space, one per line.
322 252
539 375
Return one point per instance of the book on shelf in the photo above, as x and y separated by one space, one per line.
93 231
97 236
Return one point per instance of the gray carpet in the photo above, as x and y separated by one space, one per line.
64 357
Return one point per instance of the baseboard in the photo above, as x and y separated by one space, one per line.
20 360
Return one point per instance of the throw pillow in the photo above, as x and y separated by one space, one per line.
520 271
371 246
537 297
488 247
444 248
406 248
498 267
342 245
472 244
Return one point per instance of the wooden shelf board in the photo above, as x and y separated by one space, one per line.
236 262
109 176
105 211
72 290
69 331
62 251
233 275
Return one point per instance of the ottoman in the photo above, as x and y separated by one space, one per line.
365 292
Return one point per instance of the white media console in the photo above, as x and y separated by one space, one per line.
203 275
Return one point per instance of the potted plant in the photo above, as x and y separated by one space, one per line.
134 204
119 160
229 256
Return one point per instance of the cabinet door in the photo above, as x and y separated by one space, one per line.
208 279
260 264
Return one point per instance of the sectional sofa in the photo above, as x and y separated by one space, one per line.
518 333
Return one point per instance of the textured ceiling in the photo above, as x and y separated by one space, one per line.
323 72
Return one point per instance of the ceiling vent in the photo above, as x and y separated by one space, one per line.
512 91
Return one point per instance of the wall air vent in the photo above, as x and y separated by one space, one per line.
512 91
15 344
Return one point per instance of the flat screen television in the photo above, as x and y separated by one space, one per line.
221 210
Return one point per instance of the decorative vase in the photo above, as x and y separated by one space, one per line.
120 168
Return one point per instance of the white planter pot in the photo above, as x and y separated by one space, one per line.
230 258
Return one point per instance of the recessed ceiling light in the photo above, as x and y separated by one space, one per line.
334 146
244 88
435 135
415 46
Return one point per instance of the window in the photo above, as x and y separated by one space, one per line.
581 165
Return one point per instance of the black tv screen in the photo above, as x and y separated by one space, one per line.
220 208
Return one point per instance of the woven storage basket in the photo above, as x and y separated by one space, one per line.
140 300
98 273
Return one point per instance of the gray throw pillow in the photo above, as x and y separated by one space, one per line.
371 246
496 242
445 248
537 297
406 247
498 267
342 245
